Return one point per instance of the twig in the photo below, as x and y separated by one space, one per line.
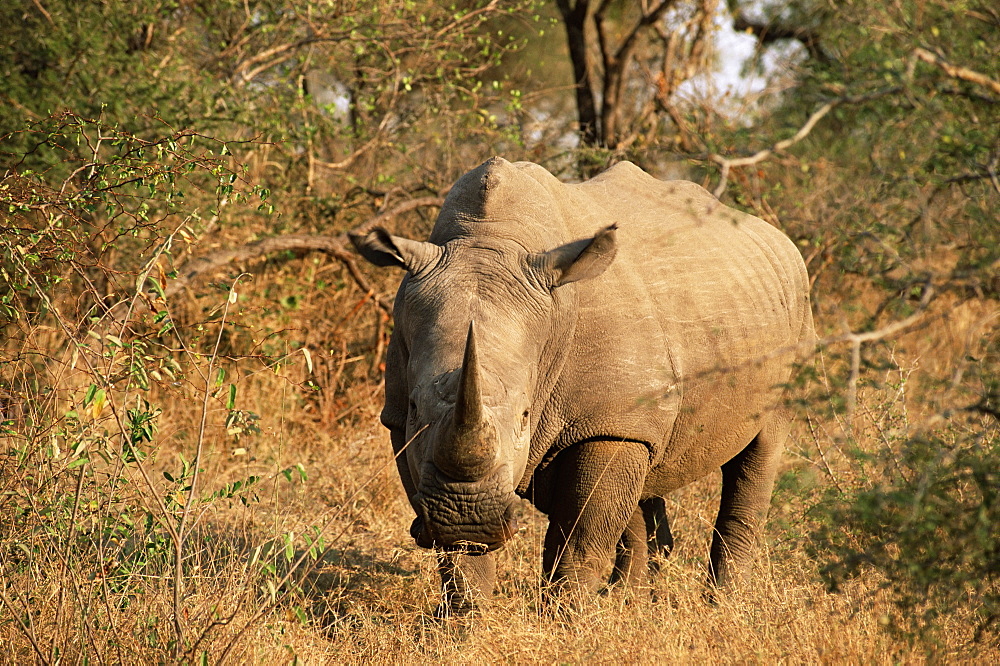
25 628
68 556
368 145
817 115
762 155
884 437
182 523
956 71
852 385
822 455
47 16
466 17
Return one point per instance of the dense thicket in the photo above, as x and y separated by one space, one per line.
897 191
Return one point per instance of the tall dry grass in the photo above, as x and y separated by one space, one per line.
253 594
368 598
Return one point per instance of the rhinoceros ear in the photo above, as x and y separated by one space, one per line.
580 260
383 249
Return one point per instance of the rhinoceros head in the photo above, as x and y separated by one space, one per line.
478 322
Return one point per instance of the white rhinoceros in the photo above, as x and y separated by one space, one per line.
591 348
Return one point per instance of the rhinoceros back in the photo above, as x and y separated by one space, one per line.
685 342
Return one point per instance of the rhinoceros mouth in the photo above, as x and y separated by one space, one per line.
456 515
466 538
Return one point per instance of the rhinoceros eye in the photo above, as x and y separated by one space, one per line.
524 420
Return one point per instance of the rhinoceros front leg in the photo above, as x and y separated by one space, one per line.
467 582
595 495
747 481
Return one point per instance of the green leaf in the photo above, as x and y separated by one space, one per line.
158 288
89 396
76 463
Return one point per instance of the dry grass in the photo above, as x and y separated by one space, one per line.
367 600
367 596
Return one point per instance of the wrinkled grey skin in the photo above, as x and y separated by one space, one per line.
591 348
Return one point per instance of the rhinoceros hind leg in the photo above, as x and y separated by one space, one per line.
647 539
633 553
659 539
747 481
467 582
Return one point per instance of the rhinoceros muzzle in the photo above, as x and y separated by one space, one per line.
456 515
471 538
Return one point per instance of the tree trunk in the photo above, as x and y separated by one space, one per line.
575 20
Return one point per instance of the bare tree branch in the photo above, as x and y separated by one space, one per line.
957 72
616 63
768 32
332 245
761 155
47 16
335 246
492 6
989 172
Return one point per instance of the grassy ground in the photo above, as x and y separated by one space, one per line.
308 560
368 597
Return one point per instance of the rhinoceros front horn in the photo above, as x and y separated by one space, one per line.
469 401
469 449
